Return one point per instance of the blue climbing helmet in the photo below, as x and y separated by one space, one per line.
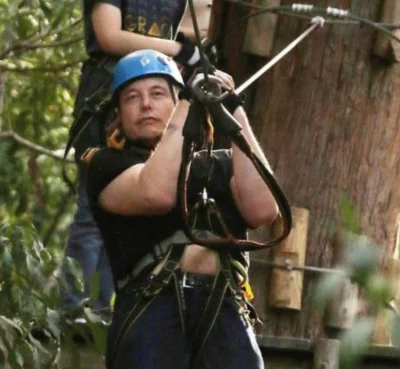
143 63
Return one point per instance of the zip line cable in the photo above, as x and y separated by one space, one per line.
305 11
315 22
335 15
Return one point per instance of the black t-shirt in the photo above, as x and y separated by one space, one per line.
128 238
154 18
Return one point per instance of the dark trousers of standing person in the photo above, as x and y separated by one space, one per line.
85 245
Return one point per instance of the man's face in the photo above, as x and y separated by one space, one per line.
145 107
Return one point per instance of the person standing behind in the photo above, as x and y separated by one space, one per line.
113 28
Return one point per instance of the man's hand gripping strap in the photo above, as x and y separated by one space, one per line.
230 127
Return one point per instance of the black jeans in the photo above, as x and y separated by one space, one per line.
156 340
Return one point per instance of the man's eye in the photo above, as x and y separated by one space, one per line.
158 93
132 97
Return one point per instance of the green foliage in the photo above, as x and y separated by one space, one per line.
30 298
360 265
30 290
40 52
349 216
355 342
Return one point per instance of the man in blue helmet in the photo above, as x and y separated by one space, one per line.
163 281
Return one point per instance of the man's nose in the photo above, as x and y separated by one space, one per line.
146 102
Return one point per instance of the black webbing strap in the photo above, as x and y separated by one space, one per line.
150 291
170 272
223 281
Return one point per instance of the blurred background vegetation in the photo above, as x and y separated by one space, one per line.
40 53
41 50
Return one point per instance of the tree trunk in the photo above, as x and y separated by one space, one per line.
327 116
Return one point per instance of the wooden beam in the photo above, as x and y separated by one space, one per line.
326 354
280 343
385 46
287 286
307 346
382 335
260 31
342 308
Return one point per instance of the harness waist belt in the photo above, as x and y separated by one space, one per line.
192 280
158 253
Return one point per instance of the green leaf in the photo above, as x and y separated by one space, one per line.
327 288
98 328
94 288
355 343
9 323
53 323
362 257
349 217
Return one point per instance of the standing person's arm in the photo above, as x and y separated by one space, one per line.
252 196
107 25
203 13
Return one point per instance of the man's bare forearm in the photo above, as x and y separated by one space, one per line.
255 199
162 169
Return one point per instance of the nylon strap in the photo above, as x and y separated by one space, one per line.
223 281
149 293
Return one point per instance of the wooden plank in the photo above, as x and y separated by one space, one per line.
287 286
382 335
260 31
285 343
393 274
386 47
383 352
342 308
326 354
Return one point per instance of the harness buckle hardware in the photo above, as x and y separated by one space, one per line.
155 286
184 282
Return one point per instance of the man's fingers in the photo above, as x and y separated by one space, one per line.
227 80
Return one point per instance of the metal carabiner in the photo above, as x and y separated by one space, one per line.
207 91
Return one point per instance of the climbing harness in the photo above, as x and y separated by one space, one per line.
169 276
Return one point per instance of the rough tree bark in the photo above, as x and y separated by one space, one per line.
328 118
